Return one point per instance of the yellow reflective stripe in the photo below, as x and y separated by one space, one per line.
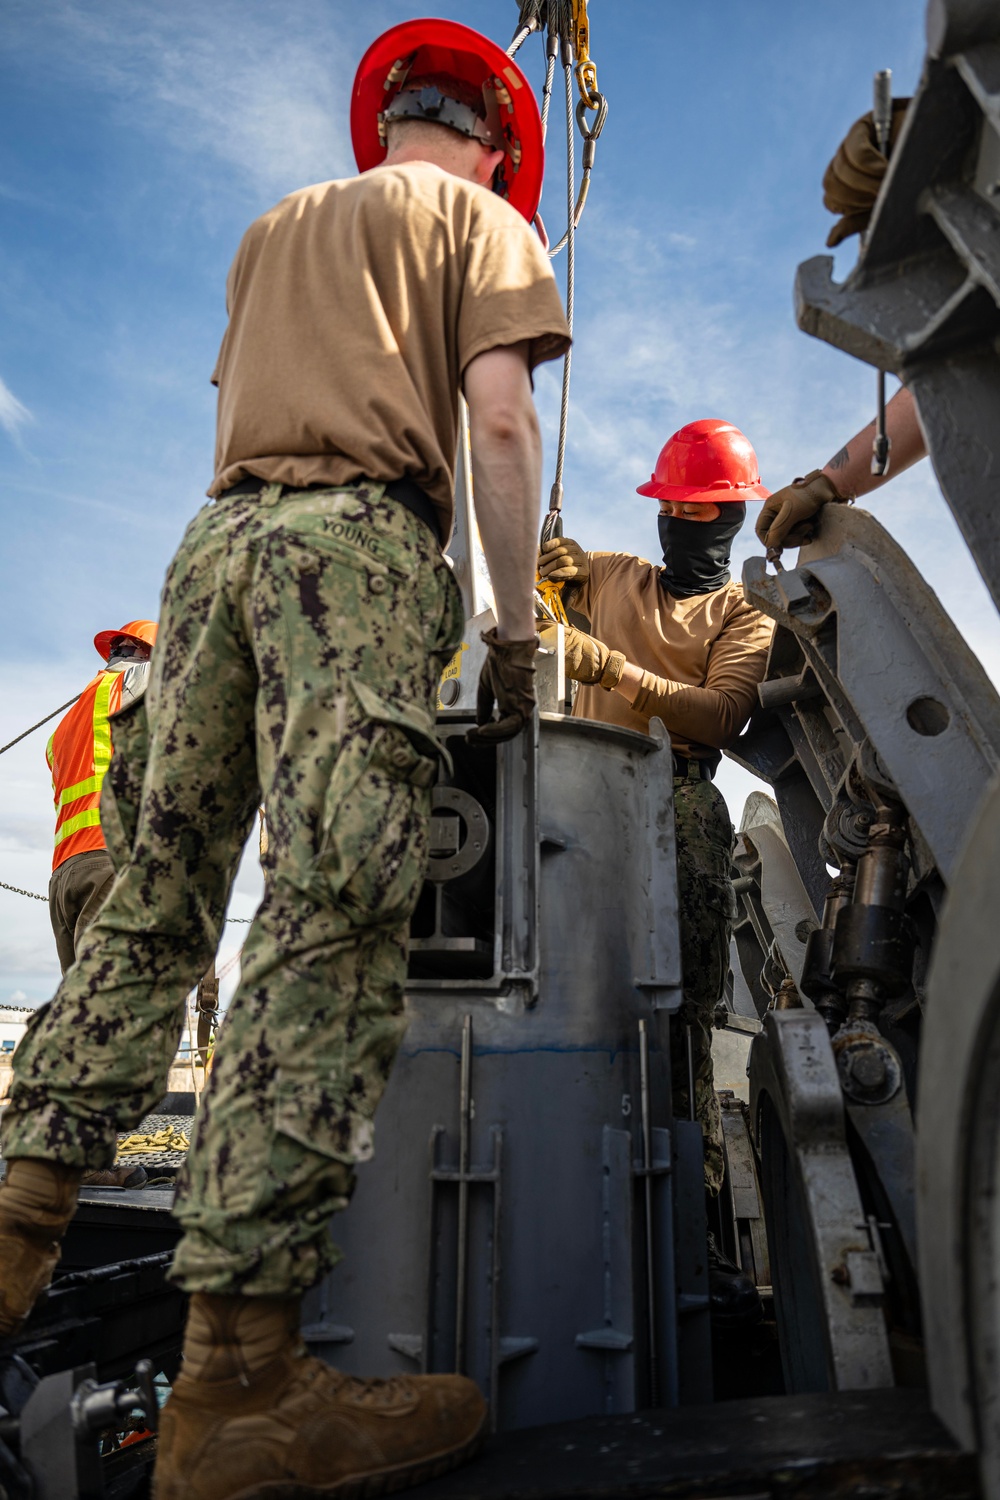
89 819
102 744
82 789
102 729
102 759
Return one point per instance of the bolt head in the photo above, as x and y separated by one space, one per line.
868 1070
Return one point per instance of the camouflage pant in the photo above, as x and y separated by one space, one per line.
708 906
301 642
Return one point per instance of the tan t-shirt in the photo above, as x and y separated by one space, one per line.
702 658
354 308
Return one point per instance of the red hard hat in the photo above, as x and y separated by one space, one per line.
136 630
707 461
433 46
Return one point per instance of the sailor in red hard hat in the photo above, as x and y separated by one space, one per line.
305 621
677 641
448 74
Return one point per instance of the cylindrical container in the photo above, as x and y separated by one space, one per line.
501 1226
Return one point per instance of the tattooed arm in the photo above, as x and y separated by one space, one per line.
849 470
789 516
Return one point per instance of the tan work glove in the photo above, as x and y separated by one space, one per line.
787 518
508 681
852 180
590 660
561 560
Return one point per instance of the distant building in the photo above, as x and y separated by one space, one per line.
13 1020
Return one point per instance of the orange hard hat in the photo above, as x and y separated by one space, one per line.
136 630
430 48
708 461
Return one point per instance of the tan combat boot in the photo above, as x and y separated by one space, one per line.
131 1176
37 1201
254 1417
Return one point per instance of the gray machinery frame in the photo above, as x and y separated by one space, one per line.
871 703
880 735
533 1215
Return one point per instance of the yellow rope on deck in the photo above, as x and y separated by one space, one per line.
164 1140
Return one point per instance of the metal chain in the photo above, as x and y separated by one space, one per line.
19 891
26 732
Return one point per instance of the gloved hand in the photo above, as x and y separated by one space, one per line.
508 681
852 180
590 660
787 517
561 560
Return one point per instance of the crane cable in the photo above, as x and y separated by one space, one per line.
568 39
25 732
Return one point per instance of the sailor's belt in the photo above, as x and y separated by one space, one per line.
404 491
693 769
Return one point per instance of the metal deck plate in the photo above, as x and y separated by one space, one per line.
842 1446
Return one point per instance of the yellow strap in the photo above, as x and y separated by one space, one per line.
168 1139
89 819
551 595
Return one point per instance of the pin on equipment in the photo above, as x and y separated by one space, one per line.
882 117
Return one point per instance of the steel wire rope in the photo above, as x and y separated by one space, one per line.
550 526
590 135
550 73
24 733
520 37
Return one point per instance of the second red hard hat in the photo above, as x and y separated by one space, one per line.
709 462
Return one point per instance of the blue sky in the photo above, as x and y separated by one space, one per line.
139 140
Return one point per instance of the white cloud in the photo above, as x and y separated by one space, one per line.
221 83
13 413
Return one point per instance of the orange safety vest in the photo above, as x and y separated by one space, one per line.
79 754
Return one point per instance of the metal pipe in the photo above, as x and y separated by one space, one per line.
690 1052
882 119
881 442
464 1131
647 1162
882 109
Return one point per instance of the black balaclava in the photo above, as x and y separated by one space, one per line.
696 553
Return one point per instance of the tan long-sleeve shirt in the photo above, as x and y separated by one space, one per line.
702 658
